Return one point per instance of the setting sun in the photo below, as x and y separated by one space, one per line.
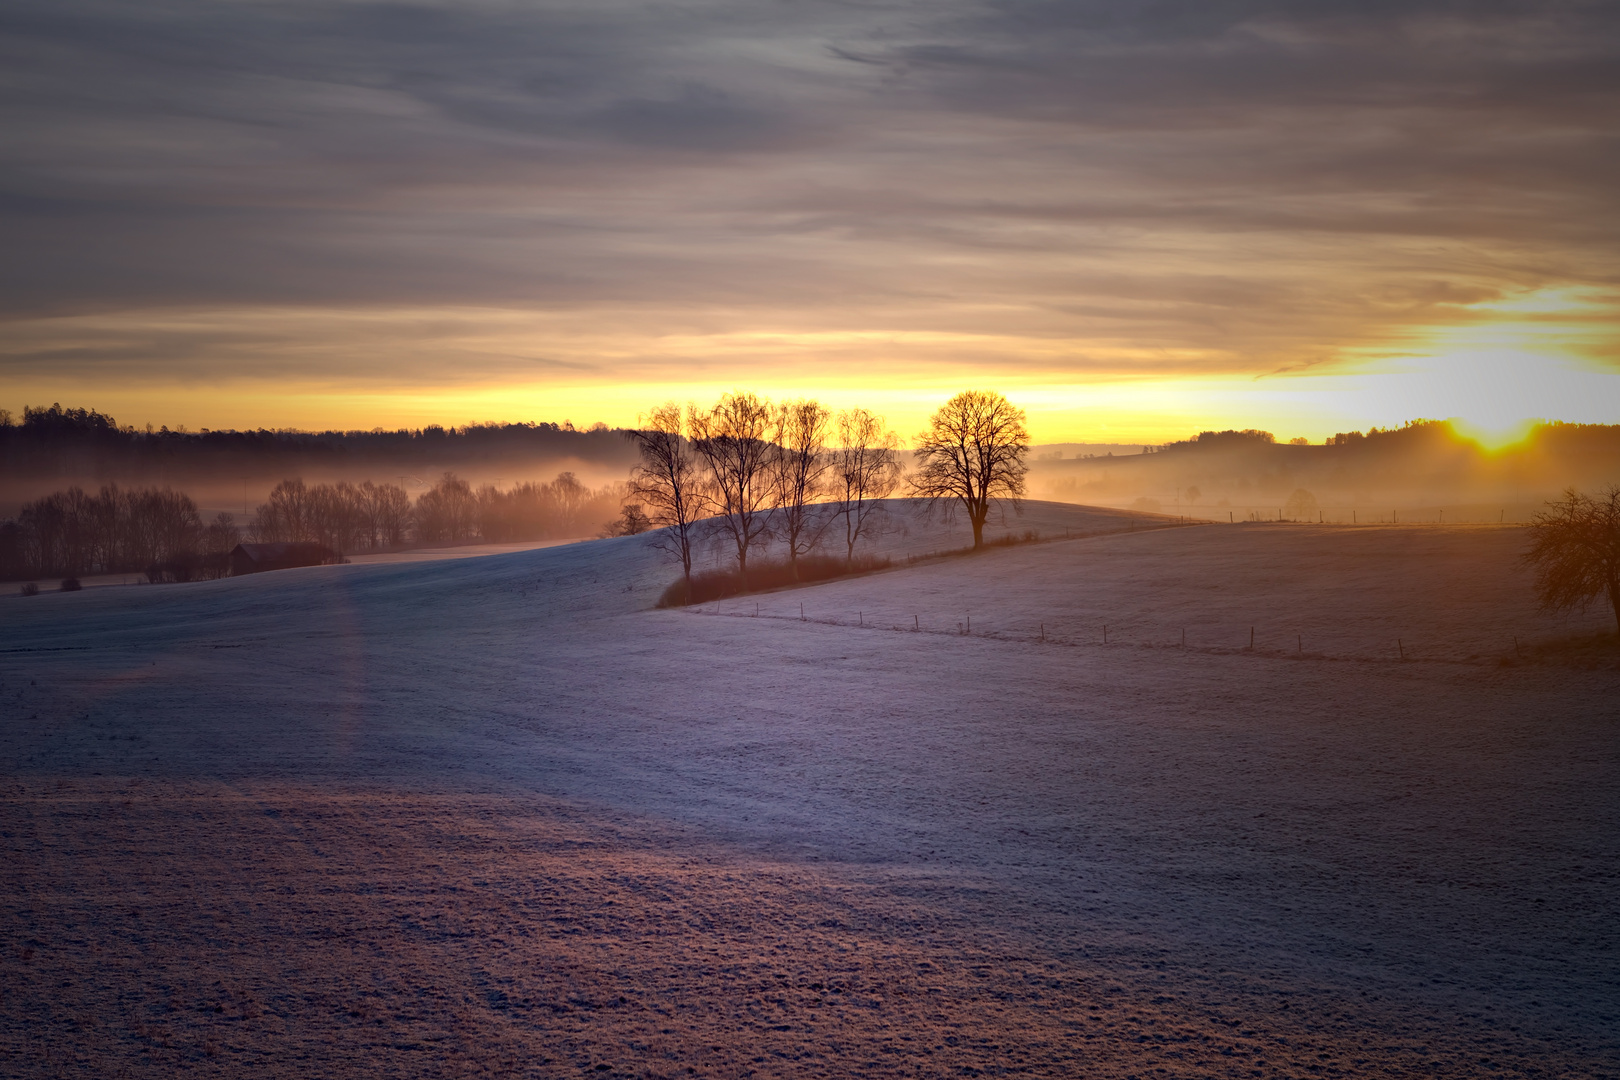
1494 439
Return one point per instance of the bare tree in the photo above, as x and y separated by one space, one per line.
570 497
1575 549
972 455
369 508
669 483
336 515
448 512
632 521
221 535
286 516
391 506
218 538
865 470
733 438
799 465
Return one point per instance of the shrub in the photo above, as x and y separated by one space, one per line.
764 575
30 589
1575 549
1030 536
1301 506
71 585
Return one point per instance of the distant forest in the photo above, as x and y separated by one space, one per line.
1555 437
83 444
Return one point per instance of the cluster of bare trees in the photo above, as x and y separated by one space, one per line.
160 532
560 509
70 533
358 517
343 516
752 472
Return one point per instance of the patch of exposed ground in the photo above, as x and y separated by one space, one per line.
282 931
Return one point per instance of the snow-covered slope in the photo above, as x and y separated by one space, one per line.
1315 812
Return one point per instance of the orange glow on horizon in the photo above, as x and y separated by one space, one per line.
1544 353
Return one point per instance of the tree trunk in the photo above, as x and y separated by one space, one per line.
978 533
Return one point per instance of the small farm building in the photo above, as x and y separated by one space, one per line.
252 558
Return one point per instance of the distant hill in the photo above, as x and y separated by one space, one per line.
1420 468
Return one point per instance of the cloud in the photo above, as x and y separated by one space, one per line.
1089 186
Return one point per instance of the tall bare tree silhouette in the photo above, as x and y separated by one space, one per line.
866 469
670 484
799 465
734 441
972 456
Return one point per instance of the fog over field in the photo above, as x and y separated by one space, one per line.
233 471
501 814
1424 471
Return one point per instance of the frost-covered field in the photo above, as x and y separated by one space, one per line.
497 814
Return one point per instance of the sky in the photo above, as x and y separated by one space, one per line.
1136 220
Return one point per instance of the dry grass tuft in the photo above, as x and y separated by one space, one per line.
765 575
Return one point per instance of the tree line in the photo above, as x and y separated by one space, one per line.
153 530
350 518
751 474
50 441
160 532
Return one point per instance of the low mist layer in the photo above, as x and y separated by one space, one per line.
57 447
1423 471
